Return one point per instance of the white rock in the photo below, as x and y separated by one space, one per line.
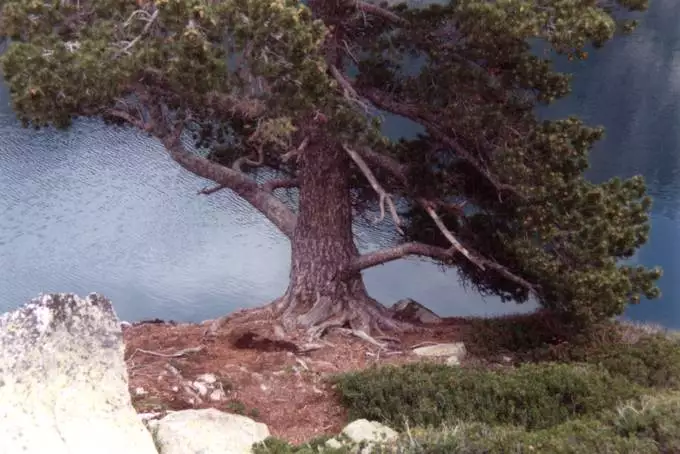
207 431
63 380
217 395
363 430
139 391
200 388
207 378
454 349
333 443
453 361
125 324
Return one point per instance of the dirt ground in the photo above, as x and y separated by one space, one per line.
266 380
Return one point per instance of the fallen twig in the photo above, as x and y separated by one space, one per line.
176 354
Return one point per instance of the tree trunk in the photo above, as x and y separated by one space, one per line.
320 295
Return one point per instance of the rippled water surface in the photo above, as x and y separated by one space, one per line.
97 209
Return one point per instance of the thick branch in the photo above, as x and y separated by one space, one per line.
245 187
391 254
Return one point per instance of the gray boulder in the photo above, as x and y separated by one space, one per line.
412 311
206 431
63 380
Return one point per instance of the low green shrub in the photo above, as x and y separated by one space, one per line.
524 335
655 418
274 445
644 356
573 437
653 361
534 396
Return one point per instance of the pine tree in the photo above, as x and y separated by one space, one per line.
298 90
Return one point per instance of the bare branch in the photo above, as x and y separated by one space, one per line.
448 234
295 152
385 198
245 187
248 161
145 30
375 10
139 12
132 120
348 89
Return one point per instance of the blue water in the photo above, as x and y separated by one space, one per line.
632 88
94 209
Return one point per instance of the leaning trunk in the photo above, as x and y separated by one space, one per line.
321 294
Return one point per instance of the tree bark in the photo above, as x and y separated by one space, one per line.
321 294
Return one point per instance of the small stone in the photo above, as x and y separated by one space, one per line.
453 361
207 378
200 388
139 391
333 443
175 388
263 387
217 395
258 376
506 359
363 430
452 349
125 324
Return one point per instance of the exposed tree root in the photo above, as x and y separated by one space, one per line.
362 317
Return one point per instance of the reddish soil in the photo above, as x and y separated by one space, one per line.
266 380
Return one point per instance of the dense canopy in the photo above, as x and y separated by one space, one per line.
299 91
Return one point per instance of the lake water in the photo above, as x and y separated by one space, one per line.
96 209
